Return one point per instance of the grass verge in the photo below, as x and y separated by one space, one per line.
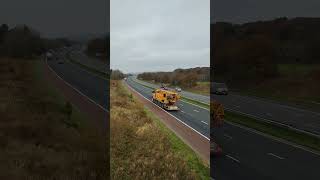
181 149
103 75
293 136
276 131
140 148
42 136
192 101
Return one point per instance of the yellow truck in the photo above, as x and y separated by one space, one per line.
166 99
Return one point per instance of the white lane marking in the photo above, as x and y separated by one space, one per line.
271 121
85 69
196 111
76 88
181 99
183 111
204 123
170 114
279 157
269 114
274 138
228 136
233 158
195 105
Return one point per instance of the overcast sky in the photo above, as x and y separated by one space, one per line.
57 17
159 35
240 11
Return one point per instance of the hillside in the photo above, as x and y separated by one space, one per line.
269 58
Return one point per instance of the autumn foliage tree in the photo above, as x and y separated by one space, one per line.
179 77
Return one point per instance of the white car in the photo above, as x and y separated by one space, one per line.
178 89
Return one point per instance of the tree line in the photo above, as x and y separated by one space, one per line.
99 46
117 74
252 51
25 42
179 77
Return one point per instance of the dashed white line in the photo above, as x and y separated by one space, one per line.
75 88
228 136
269 114
204 123
171 114
228 156
274 138
279 157
196 110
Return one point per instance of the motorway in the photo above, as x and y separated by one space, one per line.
198 97
263 109
248 155
89 84
196 117
251 155
266 110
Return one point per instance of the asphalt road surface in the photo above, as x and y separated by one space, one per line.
194 116
198 97
250 155
263 109
81 57
91 85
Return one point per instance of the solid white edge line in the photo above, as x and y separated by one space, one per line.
87 70
181 99
171 114
204 123
272 122
76 88
274 138
233 158
271 154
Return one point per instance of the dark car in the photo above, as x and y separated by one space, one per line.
220 88
163 87
215 149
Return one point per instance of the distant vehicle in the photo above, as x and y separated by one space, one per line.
163 87
49 55
125 79
215 150
178 89
165 99
220 88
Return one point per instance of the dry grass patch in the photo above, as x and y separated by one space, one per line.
38 139
139 149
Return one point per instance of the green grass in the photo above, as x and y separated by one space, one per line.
276 131
192 101
77 117
139 147
182 150
296 69
103 75
38 138
201 88
201 104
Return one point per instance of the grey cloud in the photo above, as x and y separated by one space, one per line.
240 11
159 35
58 17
